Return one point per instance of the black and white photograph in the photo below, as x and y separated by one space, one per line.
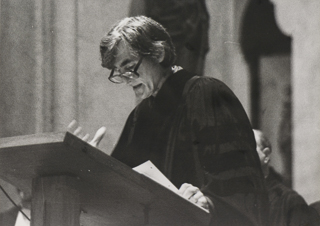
159 113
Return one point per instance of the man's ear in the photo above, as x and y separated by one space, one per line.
267 152
162 53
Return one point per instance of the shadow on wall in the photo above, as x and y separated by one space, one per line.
261 38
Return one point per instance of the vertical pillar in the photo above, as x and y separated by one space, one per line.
56 64
43 65
300 19
65 94
55 201
225 59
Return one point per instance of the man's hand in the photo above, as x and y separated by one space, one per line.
77 131
193 194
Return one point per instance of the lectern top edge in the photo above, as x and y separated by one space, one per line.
32 139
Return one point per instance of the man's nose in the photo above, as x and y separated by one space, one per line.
128 81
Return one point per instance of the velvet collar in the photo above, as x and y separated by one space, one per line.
170 93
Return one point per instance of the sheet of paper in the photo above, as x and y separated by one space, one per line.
22 220
150 170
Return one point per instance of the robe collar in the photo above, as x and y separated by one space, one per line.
170 94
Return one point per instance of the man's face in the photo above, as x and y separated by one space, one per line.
149 72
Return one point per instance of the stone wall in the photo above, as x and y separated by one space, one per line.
301 20
51 72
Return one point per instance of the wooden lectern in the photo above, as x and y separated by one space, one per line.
73 183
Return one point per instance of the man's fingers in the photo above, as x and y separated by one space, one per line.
86 137
190 191
193 194
98 136
183 188
187 190
72 126
196 196
199 199
78 131
202 201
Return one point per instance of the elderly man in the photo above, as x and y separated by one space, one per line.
194 129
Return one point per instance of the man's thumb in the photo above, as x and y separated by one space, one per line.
98 136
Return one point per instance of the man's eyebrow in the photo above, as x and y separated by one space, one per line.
126 61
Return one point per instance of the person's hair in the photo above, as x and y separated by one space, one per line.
143 36
264 141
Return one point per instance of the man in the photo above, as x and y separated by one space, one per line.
287 207
194 129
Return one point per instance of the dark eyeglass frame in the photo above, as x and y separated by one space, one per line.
123 76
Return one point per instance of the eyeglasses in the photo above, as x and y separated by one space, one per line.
118 78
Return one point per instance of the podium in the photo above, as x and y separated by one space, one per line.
73 183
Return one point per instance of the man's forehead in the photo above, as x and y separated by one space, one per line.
123 55
122 49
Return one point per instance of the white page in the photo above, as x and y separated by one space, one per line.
22 220
150 170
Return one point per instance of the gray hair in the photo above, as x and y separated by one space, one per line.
144 36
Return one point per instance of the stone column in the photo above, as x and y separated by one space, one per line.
56 64
300 19
38 59
65 27
225 60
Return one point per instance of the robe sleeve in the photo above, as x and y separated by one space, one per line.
287 207
120 151
299 213
224 153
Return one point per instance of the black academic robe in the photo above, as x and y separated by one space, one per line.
197 132
287 207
